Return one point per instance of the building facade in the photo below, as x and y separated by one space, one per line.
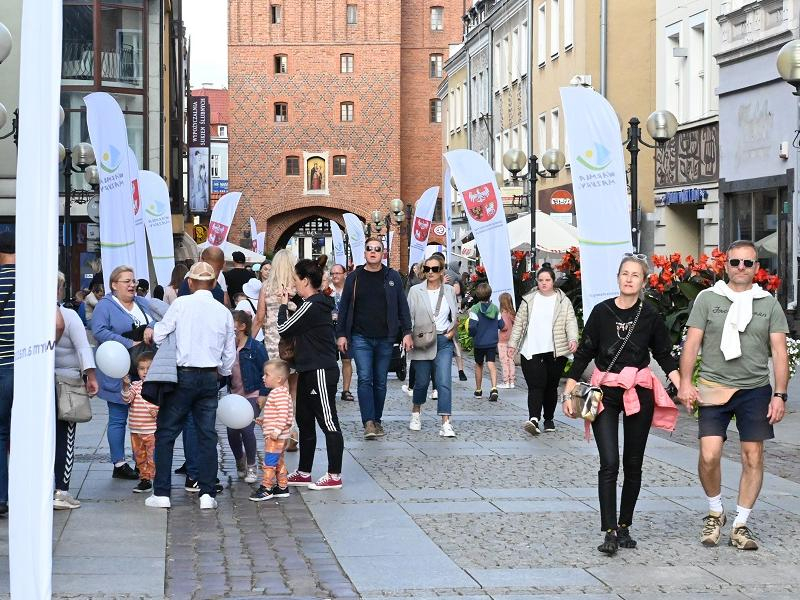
219 123
336 110
758 117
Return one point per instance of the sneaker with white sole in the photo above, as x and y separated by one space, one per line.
298 479
207 502
435 395
742 538
63 500
251 476
712 528
407 390
326 482
416 422
532 426
447 430
157 502
261 494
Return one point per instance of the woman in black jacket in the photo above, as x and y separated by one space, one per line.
311 327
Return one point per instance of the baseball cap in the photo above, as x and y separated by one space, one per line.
202 271
238 257
7 243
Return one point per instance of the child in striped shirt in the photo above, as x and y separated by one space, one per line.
142 423
276 422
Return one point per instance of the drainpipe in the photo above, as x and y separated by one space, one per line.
604 47
529 91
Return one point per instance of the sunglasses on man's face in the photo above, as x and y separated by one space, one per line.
748 264
427 269
374 249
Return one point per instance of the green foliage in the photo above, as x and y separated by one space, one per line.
464 338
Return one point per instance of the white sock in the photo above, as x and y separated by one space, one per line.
335 476
741 516
715 503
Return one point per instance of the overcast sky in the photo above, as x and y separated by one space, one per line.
206 24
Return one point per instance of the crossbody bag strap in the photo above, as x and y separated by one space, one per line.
439 302
622 346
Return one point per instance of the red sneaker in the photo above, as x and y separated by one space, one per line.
299 480
326 483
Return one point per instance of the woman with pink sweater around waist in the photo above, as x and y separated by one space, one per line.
628 329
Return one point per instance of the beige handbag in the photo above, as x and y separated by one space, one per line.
714 394
74 404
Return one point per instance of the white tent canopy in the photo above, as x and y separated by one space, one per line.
229 248
552 235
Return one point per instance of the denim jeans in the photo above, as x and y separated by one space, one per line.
372 356
6 400
442 365
196 393
189 437
117 422
243 441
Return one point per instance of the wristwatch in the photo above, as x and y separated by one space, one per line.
782 395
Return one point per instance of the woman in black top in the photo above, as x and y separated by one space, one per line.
605 332
311 327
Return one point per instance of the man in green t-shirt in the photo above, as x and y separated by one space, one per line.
738 326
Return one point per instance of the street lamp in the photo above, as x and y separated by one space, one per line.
397 214
552 160
662 127
788 64
78 160
6 42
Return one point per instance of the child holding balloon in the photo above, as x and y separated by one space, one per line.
142 423
276 422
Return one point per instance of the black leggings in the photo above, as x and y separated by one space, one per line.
636 428
316 395
542 374
64 455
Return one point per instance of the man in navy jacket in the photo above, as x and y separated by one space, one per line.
372 311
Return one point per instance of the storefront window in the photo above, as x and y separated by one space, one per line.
754 216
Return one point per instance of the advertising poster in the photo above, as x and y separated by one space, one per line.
199 154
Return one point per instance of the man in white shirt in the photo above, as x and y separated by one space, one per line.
205 350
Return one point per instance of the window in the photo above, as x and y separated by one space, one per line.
436 66
474 107
347 111
437 18
542 134
340 165
674 72
222 131
569 25
498 154
541 42
505 73
275 13
215 162
698 98
515 55
346 63
293 165
281 63
754 216
555 29
352 14
523 49
506 147
523 138
436 110
555 129
281 112
496 60
464 105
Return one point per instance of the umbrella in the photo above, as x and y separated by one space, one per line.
551 235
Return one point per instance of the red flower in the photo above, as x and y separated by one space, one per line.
660 288
578 274
519 254
653 280
526 276
473 278
480 269
680 272
675 257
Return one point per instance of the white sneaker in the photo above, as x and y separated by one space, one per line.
407 390
511 386
435 394
416 422
447 430
251 476
502 386
157 501
64 501
207 502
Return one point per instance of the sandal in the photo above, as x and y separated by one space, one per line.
624 539
347 396
609 545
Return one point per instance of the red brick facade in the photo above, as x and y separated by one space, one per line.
391 148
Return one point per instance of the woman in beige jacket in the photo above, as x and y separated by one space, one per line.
545 332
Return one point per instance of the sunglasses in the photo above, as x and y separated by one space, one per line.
748 264
374 249
638 256
427 269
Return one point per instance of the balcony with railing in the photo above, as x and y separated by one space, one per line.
122 67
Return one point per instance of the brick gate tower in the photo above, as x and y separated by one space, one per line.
333 108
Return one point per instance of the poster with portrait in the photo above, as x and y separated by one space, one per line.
199 154
316 175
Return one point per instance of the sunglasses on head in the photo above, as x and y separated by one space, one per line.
427 269
374 249
734 262
632 255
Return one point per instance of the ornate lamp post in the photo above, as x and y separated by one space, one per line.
397 214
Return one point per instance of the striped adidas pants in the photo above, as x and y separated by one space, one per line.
316 402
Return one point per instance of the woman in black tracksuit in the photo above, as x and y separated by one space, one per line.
311 327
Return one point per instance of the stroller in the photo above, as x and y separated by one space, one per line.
398 363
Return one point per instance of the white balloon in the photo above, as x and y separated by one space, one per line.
112 358
235 411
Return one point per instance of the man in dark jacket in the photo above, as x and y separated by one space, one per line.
372 312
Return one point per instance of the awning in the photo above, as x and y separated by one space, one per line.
551 235
230 248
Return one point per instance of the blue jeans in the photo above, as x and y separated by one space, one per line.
442 366
6 400
372 356
190 447
117 422
196 393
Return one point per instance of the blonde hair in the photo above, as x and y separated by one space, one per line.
116 273
634 259
282 272
507 303
280 366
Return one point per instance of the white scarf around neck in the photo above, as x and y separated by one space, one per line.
739 315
